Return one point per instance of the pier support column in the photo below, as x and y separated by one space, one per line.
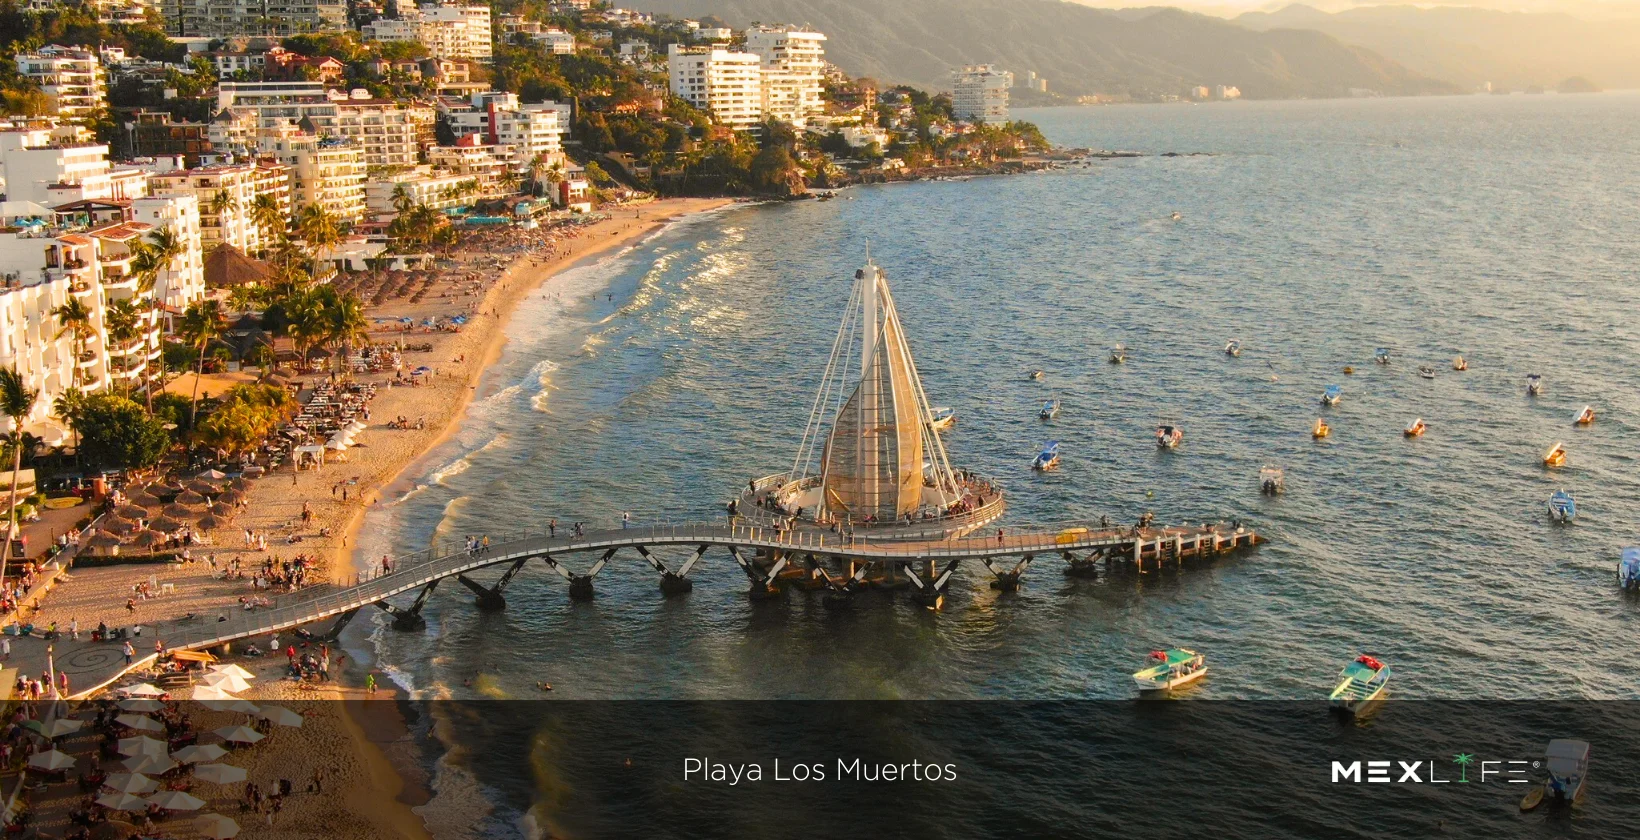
409 618
580 586
931 592
1082 567
1007 580
489 597
336 629
673 583
763 582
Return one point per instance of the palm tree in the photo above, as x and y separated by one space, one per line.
123 319
402 202
219 206
202 323
345 325
319 229
70 407
74 319
269 218
16 402
153 256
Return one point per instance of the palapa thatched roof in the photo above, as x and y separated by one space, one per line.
227 266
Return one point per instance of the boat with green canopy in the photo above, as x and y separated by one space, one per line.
1360 684
1170 669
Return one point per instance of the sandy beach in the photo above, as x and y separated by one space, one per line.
336 497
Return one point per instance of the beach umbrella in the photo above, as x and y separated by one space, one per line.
156 764
232 704
337 445
176 800
143 499
190 498
198 753
118 525
211 694
143 745
216 826
240 483
212 475
140 690
281 716
141 723
58 727
230 498
221 774
122 802
358 426
232 683
166 524
130 783
239 734
165 488
131 511
202 488
233 669
176 511
141 705
147 539
104 542
51 760
210 522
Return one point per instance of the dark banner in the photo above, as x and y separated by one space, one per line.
965 769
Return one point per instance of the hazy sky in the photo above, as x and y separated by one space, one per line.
1590 9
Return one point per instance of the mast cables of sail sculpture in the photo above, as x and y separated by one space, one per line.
881 461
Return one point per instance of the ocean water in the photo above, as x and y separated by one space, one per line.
1502 228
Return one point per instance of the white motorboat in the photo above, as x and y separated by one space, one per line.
1050 410
1170 669
1048 458
942 418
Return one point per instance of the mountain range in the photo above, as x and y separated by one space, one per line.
1471 46
1142 53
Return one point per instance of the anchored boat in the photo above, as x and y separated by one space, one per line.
1534 384
1233 348
1320 429
1381 355
1035 376
1426 372
1556 456
1415 429
1331 395
1586 416
1628 569
1460 363
1050 409
1568 765
1170 669
1048 458
1272 480
1562 507
1361 683
942 418
1169 436
1118 354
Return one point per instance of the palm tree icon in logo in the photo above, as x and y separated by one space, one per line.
1463 760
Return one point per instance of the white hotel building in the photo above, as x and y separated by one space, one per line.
722 82
447 30
794 68
980 94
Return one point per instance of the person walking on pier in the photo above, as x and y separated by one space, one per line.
626 519
130 653
552 527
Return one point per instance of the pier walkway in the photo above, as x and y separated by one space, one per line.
768 555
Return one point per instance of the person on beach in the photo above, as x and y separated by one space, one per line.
130 653
5 647
370 684
74 628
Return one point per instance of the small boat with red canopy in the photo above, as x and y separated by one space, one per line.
1361 684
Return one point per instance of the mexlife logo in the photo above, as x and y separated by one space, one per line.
1432 772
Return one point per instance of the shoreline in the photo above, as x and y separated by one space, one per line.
500 303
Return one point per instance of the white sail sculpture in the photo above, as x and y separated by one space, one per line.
881 462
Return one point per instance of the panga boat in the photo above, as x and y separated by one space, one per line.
1586 416
1562 507
1534 384
1381 355
1460 363
1272 480
1048 459
1360 683
1168 437
1332 395
1034 375
1176 216
1426 372
1568 765
1118 354
1320 429
1415 428
1233 348
1171 669
942 418
1556 456
1049 410
1628 569
1349 371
